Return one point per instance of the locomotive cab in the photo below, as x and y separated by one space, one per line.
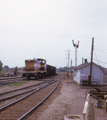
42 68
42 64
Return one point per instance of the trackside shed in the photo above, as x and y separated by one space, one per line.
82 72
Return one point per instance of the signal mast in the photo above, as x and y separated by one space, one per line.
76 46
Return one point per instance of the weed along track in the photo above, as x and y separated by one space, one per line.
21 108
10 80
13 95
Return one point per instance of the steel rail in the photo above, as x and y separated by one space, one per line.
21 88
8 78
24 87
2 108
26 114
6 98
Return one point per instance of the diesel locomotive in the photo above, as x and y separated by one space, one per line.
37 68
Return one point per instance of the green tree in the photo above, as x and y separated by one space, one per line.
7 67
16 69
1 64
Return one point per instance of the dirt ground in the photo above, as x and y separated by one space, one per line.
68 98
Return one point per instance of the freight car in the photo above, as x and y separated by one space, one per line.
37 68
50 70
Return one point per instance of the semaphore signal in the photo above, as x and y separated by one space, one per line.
76 46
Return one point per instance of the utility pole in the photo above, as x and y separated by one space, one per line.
68 57
90 77
76 46
71 65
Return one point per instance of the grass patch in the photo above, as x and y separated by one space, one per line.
17 84
3 71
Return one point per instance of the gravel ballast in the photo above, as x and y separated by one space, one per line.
68 98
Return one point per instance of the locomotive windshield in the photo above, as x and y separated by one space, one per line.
42 61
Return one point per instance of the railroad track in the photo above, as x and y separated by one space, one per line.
10 80
22 107
21 91
6 78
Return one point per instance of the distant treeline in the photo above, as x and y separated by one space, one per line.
64 69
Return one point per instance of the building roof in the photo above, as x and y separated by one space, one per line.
86 64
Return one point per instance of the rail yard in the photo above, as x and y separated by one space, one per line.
68 99
53 63
30 96
10 80
46 95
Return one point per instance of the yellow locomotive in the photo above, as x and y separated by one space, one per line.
37 68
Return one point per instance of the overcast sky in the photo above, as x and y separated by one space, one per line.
45 28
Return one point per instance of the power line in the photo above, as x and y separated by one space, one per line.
100 51
100 46
96 57
102 57
101 61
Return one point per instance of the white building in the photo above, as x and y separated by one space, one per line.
82 72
